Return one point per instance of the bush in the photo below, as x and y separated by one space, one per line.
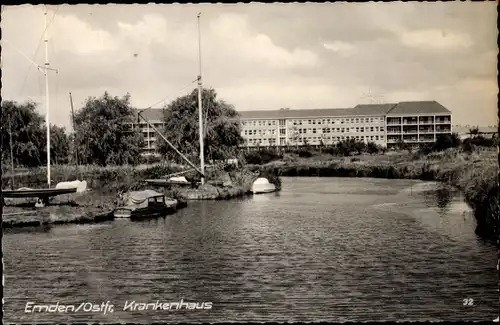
263 156
305 154
372 148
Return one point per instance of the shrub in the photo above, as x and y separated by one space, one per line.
305 154
261 156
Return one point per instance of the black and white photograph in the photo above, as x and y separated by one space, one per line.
250 162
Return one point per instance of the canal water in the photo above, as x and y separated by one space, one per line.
323 249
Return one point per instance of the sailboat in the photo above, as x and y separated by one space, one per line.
43 194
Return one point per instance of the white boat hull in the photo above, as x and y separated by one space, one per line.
262 185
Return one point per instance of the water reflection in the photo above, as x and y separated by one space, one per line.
441 197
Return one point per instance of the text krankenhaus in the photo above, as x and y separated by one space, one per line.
107 307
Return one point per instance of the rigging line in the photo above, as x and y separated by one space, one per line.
178 91
37 49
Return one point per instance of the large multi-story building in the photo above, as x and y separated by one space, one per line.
155 118
417 122
383 124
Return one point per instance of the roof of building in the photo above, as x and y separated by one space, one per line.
418 107
359 110
152 114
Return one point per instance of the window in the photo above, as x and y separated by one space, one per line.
314 130
282 131
371 137
319 121
381 137
357 129
376 137
342 121
376 128
362 129
342 130
371 129
269 123
362 137
308 121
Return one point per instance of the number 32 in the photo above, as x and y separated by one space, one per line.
468 302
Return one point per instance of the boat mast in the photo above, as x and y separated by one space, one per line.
200 111
74 130
11 155
47 100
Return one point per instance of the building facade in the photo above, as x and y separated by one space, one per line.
417 122
383 124
155 118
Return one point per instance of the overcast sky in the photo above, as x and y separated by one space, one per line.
259 56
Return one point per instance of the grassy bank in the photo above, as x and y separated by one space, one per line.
475 174
107 182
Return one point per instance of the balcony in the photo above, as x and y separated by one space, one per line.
430 121
393 131
426 140
426 131
443 121
443 130
393 123
410 122
410 131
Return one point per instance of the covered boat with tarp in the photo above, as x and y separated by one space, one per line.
145 204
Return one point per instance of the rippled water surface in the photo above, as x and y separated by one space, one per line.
324 249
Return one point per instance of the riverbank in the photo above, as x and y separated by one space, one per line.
475 174
77 208
105 184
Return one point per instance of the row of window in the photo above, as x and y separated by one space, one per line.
314 121
316 130
339 120
316 139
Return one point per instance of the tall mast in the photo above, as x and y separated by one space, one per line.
74 129
47 100
200 111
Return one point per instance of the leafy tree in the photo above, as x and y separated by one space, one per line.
473 132
222 134
295 137
103 133
358 146
59 145
26 126
372 148
445 141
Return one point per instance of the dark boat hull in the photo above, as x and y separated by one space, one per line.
45 192
143 213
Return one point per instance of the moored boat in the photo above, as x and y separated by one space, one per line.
145 204
262 185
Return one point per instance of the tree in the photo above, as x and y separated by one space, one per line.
402 145
25 124
59 145
359 146
445 141
295 136
222 134
372 147
103 133
473 132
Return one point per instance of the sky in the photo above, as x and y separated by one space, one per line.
258 56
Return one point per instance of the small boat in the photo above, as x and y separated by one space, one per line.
262 185
168 182
43 192
145 204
